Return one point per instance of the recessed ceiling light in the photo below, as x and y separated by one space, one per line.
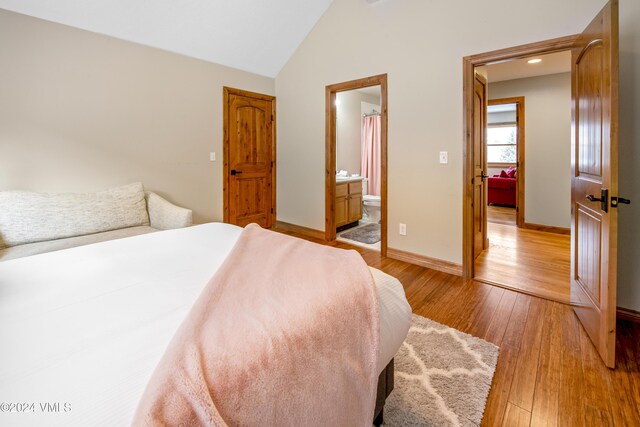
534 61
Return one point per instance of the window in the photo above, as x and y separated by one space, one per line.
501 143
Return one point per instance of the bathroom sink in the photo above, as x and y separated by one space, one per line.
348 178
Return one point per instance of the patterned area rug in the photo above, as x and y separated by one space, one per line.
368 234
442 377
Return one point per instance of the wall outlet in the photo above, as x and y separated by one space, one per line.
444 157
212 156
403 229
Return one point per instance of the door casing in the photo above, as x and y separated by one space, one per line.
330 153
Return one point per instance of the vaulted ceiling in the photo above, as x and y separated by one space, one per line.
252 35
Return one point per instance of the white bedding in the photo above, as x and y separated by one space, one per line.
85 327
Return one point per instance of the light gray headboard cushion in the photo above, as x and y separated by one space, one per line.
27 217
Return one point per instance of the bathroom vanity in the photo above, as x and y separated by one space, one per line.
348 204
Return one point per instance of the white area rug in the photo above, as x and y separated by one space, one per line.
442 377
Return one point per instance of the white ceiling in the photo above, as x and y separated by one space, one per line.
252 35
370 90
553 63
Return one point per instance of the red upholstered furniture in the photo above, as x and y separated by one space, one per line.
502 191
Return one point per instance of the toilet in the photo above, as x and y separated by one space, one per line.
370 205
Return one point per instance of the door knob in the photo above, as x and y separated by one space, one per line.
235 172
603 199
615 201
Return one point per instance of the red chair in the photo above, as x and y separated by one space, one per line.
502 191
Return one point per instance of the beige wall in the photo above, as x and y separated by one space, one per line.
369 108
349 129
629 157
420 46
81 112
547 145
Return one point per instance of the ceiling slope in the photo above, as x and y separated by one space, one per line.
251 35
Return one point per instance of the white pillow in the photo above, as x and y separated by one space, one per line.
27 217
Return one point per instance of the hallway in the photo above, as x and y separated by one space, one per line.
531 261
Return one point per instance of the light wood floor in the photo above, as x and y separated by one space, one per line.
548 372
501 214
535 262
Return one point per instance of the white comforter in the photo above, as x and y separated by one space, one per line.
81 330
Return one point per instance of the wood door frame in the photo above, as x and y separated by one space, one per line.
469 63
330 153
226 92
520 165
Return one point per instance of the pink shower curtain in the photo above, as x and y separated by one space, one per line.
370 163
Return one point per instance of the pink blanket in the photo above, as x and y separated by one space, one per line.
286 333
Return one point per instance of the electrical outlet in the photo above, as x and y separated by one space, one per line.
403 229
444 157
212 156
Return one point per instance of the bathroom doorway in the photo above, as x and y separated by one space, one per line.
355 184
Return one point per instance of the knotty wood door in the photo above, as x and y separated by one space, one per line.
479 201
594 172
249 156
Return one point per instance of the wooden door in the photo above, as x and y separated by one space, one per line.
594 167
249 153
479 200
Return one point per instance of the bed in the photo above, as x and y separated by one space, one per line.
82 329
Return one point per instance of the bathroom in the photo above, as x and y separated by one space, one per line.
357 206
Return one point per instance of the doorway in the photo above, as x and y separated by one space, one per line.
514 242
249 151
506 152
529 253
594 195
350 194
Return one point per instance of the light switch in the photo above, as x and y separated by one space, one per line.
212 156
444 157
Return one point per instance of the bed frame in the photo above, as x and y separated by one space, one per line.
385 387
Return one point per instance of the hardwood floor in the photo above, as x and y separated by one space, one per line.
530 261
501 214
548 371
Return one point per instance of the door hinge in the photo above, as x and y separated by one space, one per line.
271 210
